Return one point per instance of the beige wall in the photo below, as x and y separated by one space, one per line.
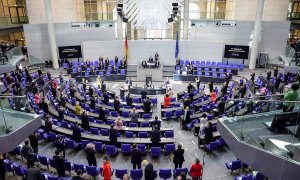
274 10
62 11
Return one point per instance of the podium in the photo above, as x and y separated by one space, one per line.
155 73
148 78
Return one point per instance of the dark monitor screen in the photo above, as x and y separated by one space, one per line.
69 52
236 52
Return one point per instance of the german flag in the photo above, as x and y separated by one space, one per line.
126 49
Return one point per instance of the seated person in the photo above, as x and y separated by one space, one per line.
157 63
150 59
149 84
144 64
156 56
114 70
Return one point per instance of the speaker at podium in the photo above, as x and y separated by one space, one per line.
148 79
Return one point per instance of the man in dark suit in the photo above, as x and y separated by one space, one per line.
144 93
60 145
190 87
102 114
34 142
103 87
113 135
34 173
59 162
60 113
178 156
91 91
85 121
117 104
136 157
129 100
83 85
208 133
27 152
147 105
156 123
105 98
76 136
90 154
155 137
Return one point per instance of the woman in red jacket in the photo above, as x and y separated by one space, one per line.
167 101
196 170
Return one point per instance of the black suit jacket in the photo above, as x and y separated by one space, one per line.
144 94
105 98
113 134
85 119
76 134
116 104
59 162
90 154
147 106
155 136
129 101
136 156
102 115
34 174
178 156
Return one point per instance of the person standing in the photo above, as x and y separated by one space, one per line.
155 137
113 135
149 170
118 124
136 157
102 114
34 173
276 71
252 76
2 168
27 152
147 105
197 80
213 96
156 123
60 113
90 154
186 117
269 75
178 158
134 116
208 133
129 100
77 109
85 121
105 98
144 93
211 86
290 96
106 172
122 93
190 87
34 142
221 107
167 101
196 170
93 103
59 163
117 104
76 135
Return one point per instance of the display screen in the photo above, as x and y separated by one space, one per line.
69 52
236 52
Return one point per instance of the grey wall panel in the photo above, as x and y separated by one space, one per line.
38 40
207 43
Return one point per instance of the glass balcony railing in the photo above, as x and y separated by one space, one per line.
14 113
14 55
14 20
294 15
263 123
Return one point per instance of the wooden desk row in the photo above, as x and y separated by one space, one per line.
105 139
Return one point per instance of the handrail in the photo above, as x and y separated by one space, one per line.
12 96
247 99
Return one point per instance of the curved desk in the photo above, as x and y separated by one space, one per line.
150 91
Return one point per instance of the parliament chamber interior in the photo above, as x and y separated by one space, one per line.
160 89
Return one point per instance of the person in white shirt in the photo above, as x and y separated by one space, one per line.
203 123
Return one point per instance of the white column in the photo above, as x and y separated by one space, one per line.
51 33
186 10
119 27
256 34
